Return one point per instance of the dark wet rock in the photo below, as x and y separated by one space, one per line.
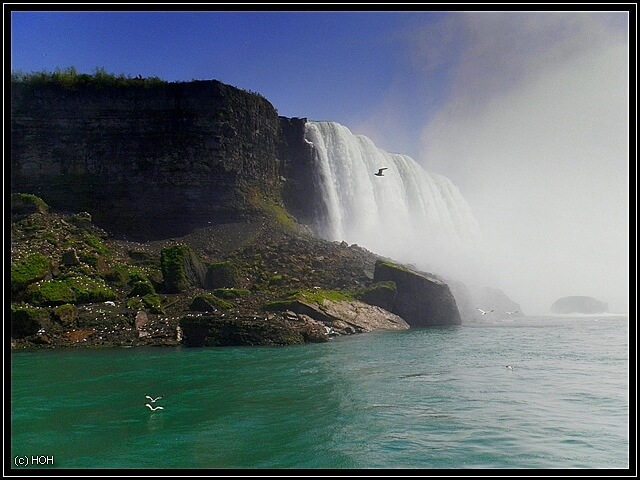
70 257
423 300
217 331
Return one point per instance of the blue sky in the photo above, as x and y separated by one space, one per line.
321 65
526 112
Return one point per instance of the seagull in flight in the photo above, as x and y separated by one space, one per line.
379 174
153 409
153 400
511 313
483 312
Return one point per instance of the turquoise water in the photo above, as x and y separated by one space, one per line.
428 398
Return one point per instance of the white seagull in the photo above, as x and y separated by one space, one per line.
379 174
509 367
153 400
511 313
153 409
483 312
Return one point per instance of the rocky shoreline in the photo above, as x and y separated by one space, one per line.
264 281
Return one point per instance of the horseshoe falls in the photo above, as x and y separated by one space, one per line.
407 214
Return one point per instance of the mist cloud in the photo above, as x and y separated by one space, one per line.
535 134
531 122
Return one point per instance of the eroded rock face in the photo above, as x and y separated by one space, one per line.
146 162
579 304
350 316
274 329
421 300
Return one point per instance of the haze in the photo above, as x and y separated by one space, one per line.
535 132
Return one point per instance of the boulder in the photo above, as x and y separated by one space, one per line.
579 304
423 300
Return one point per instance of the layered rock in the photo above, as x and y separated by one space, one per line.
421 299
147 162
579 304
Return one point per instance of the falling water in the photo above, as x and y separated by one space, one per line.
408 214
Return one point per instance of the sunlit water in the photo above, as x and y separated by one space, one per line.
423 398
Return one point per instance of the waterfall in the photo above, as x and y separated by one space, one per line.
408 214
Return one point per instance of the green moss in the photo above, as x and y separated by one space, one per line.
394 266
65 314
141 288
172 263
276 279
90 290
308 296
27 321
26 203
153 303
74 289
209 303
51 292
135 303
379 287
228 293
33 268
95 243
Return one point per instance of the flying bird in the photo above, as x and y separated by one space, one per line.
379 174
153 409
511 313
483 312
153 400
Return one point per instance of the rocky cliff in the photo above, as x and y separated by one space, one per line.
147 162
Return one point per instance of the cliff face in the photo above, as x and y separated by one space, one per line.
299 191
146 162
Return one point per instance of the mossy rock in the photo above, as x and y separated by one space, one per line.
181 268
51 293
230 293
74 289
90 290
142 288
209 303
23 204
27 321
34 268
381 294
316 296
153 303
221 275
95 243
66 315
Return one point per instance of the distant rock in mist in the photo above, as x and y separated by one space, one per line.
579 304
